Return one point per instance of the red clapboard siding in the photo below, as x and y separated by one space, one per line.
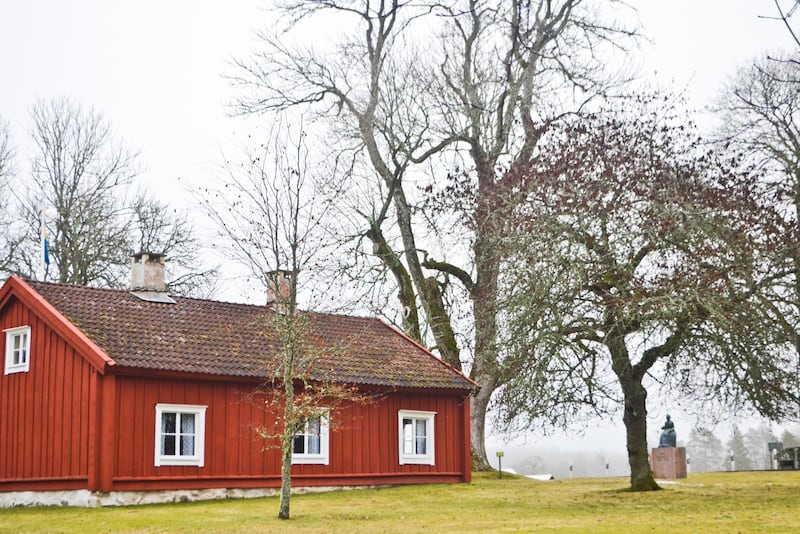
46 412
364 441
230 445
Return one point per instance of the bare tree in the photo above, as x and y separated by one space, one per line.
783 16
757 440
6 152
644 259
79 175
404 110
790 439
274 226
760 115
705 450
160 229
9 240
77 196
738 448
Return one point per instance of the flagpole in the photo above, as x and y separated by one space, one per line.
45 247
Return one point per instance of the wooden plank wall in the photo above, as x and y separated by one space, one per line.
44 413
364 442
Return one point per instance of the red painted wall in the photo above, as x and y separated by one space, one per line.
364 439
45 412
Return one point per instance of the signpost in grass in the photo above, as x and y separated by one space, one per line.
500 463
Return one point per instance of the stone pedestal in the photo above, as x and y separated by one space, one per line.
668 462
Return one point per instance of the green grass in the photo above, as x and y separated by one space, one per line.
716 502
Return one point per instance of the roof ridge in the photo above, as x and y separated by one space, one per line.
196 299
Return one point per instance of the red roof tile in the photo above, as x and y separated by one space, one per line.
239 340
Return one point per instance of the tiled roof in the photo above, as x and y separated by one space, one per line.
239 340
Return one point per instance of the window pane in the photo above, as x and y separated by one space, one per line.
313 444
168 422
168 445
187 445
299 444
18 353
422 427
421 435
187 423
312 427
408 437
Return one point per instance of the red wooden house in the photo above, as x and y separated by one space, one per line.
113 396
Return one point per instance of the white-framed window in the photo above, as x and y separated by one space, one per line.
180 434
310 445
18 349
416 437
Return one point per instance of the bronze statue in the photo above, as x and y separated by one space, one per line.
668 436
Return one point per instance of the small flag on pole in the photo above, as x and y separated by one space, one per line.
45 242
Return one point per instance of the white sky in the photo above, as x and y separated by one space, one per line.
154 69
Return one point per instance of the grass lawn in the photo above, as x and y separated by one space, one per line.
716 502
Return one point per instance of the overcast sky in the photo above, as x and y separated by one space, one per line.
153 68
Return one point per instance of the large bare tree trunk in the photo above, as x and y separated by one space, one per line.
486 369
479 404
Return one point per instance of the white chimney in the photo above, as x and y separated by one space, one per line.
147 277
147 272
279 290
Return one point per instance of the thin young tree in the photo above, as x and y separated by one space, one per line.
273 223
645 259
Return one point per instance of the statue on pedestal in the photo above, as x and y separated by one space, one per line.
668 436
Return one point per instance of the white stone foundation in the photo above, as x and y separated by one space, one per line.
90 499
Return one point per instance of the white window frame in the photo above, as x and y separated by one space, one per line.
196 459
429 458
323 458
11 335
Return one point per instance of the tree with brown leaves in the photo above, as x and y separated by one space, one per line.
643 258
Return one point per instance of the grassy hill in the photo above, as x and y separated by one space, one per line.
711 502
